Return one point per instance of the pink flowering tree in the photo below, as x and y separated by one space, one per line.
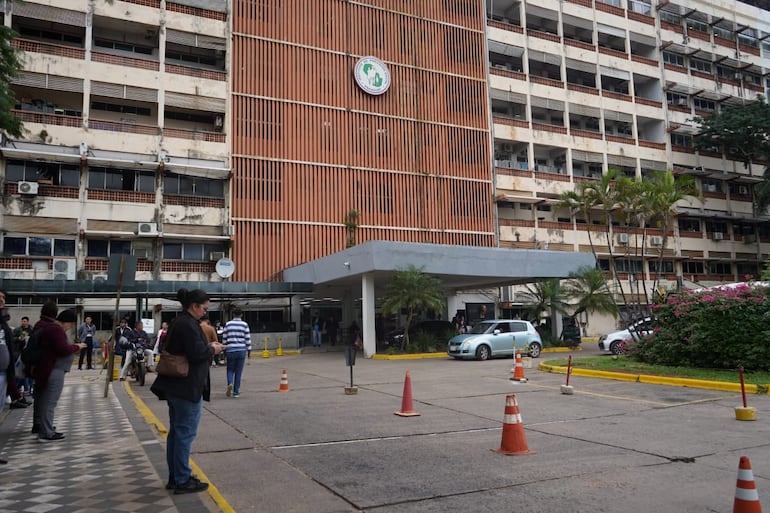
718 328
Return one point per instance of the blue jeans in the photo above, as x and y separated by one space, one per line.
235 362
184 417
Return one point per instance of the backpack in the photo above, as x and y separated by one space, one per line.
33 350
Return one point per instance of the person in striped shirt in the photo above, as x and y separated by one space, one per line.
237 340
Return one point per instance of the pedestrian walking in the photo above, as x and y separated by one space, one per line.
55 361
237 339
86 335
20 336
185 395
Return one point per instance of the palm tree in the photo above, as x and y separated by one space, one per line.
589 287
415 291
546 298
665 191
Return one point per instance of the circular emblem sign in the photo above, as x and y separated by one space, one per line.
225 267
372 75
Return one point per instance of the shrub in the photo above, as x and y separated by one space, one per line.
719 329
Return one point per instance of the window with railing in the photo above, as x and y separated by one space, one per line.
103 248
681 140
124 47
121 179
56 36
38 246
121 108
53 173
191 251
707 105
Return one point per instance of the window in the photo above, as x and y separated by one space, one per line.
188 55
692 267
49 35
628 266
121 109
38 246
724 33
666 266
682 140
710 185
54 173
676 99
697 25
105 248
123 47
670 17
121 179
720 268
184 185
699 65
194 251
716 226
673 58
689 225
707 105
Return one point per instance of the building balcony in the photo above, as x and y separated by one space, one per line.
29 45
189 71
27 116
195 135
119 126
125 61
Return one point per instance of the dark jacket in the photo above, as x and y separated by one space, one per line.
10 369
186 337
55 346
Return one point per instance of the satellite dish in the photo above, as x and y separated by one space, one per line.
225 267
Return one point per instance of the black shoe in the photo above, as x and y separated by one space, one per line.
53 438
19 403
191 486
170 485
3 462
80 368
35 429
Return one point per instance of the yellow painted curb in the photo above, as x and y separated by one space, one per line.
657 380
154 421
415 356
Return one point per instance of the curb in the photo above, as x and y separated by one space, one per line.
657 380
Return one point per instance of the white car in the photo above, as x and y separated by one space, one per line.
614 342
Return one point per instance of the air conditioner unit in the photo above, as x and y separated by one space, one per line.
27 188
99 278
718 236
216 255
743 190
622 238
140 253
656 240
739 76
64 269
147 229
228 230
219 122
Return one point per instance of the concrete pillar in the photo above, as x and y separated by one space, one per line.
367 315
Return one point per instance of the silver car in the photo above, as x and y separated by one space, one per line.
490 339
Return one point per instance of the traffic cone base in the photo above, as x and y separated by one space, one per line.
518 370
406 402
284 387
746 496
514 441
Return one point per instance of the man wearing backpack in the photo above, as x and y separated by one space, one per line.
55 360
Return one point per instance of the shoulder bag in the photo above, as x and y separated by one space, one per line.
173 365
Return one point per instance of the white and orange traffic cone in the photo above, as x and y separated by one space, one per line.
284 381
746 496
514 441
406 402
518 369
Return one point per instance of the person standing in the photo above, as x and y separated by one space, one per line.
86 335
7 361
20 336
122 331
332 327
55 361
185 395
317 331
160 338
237 339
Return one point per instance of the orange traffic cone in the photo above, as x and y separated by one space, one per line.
514 441
518 370
746 496
406 401
284 382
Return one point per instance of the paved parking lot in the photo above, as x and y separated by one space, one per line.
612 446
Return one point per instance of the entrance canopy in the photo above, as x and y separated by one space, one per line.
458 267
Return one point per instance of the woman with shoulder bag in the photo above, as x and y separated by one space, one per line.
185 395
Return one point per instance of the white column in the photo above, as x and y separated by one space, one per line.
367 315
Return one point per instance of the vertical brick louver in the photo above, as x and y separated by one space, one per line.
309 145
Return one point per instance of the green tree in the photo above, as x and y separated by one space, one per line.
415 291
743 133
546 299
10 65
587 292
